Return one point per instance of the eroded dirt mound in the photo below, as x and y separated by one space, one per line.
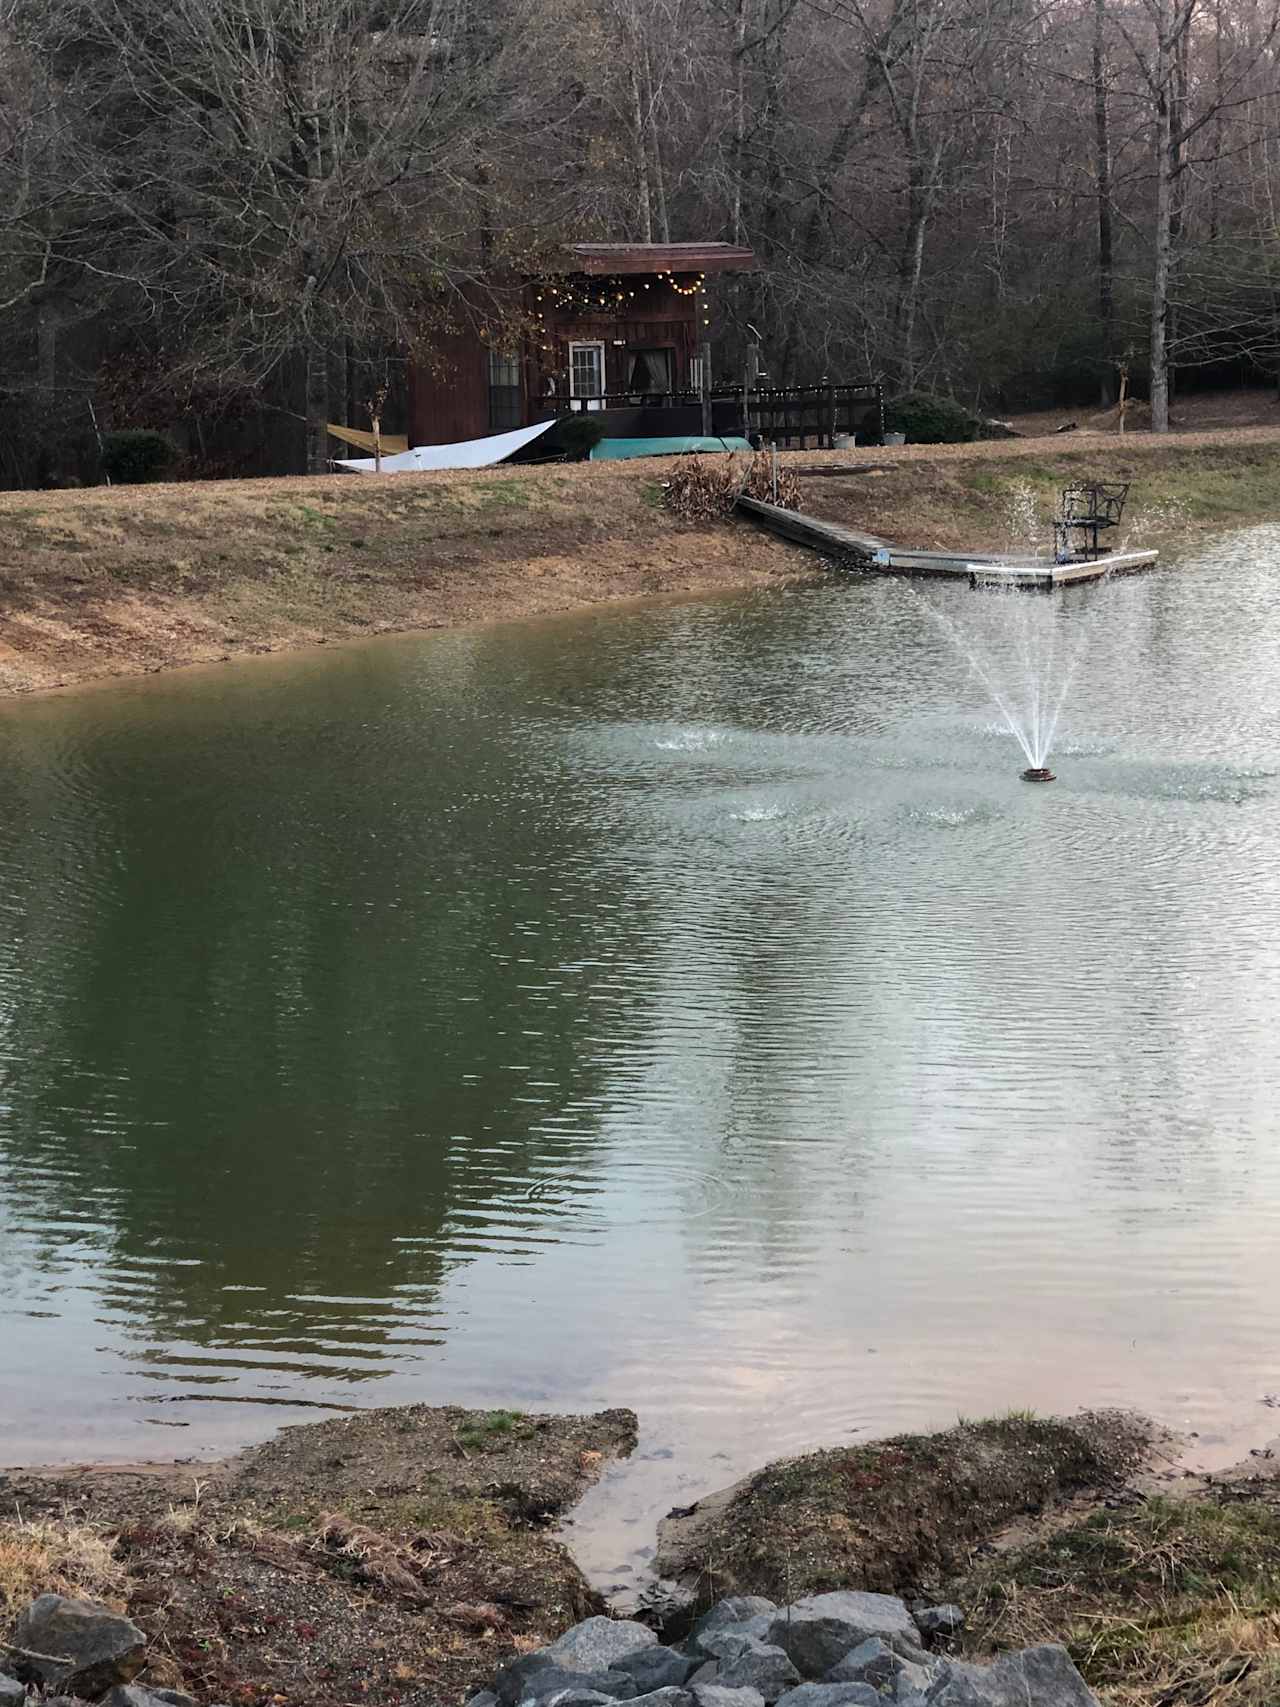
388 1557
899 1516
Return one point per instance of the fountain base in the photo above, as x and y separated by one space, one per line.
1038 773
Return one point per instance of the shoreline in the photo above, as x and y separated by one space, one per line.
107 584
412 1551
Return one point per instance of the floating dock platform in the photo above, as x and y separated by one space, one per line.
879 556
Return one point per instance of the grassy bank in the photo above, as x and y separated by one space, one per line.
122 580
984 496
1164 1586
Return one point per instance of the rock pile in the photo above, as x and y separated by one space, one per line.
830 1650
73 1651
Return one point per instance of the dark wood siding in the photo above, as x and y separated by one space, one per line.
449 390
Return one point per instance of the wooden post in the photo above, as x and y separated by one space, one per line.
831 416
374 406
1124 391
750 374
704 387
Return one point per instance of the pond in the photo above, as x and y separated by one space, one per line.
684 1007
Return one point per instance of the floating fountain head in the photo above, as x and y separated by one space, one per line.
1024 651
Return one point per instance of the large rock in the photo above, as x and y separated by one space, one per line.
938 1623
819 1631
1036 1677
715 1695
833 1695
758 1665
12 1693
598 1643
876 1663
664 1698
537 1676
708 1634
101 1648
656 1668
133 1695
733 1609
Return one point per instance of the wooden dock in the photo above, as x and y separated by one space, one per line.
979 569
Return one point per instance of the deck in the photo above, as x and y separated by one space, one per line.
979 569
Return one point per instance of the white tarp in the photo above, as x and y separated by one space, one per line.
470 453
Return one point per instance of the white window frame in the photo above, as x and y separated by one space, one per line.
587 399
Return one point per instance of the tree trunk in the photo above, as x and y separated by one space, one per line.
640 155
1163 244
316 361
1102 173
739 118
910 269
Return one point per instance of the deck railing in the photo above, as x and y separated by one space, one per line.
791 415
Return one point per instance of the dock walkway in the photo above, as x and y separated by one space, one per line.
879 556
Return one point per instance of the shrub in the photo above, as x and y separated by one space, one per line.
927 419
137 454
579 435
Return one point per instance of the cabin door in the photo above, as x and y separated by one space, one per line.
586 375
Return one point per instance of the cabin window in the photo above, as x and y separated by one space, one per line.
506 410
586 374
649 372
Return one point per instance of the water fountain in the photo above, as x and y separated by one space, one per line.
1025 652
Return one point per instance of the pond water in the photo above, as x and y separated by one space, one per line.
684 1007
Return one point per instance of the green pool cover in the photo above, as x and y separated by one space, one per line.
615 450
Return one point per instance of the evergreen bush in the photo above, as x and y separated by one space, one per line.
578 435
927 419
135 455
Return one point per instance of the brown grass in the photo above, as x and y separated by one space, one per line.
54 1555
1161 1602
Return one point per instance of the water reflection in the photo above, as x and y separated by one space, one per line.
686 1008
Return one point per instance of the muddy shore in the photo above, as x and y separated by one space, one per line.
402 1556
129 580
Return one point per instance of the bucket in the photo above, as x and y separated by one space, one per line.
844 441
895 438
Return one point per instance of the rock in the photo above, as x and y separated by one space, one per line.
12 1693
537 1676
665 1698
727 1642
937 1623
758 1665
833 1695
1036 1677
715 1695
733 1609
103 1649
575 1697
708 1631
598 1643
820 1630
872 1661
707 1672
656 1668
133 1695
486 1698
876 1663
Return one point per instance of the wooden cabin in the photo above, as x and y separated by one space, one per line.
617 326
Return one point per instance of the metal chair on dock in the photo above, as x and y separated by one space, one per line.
1087 508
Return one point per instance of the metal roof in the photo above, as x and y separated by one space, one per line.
661 258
